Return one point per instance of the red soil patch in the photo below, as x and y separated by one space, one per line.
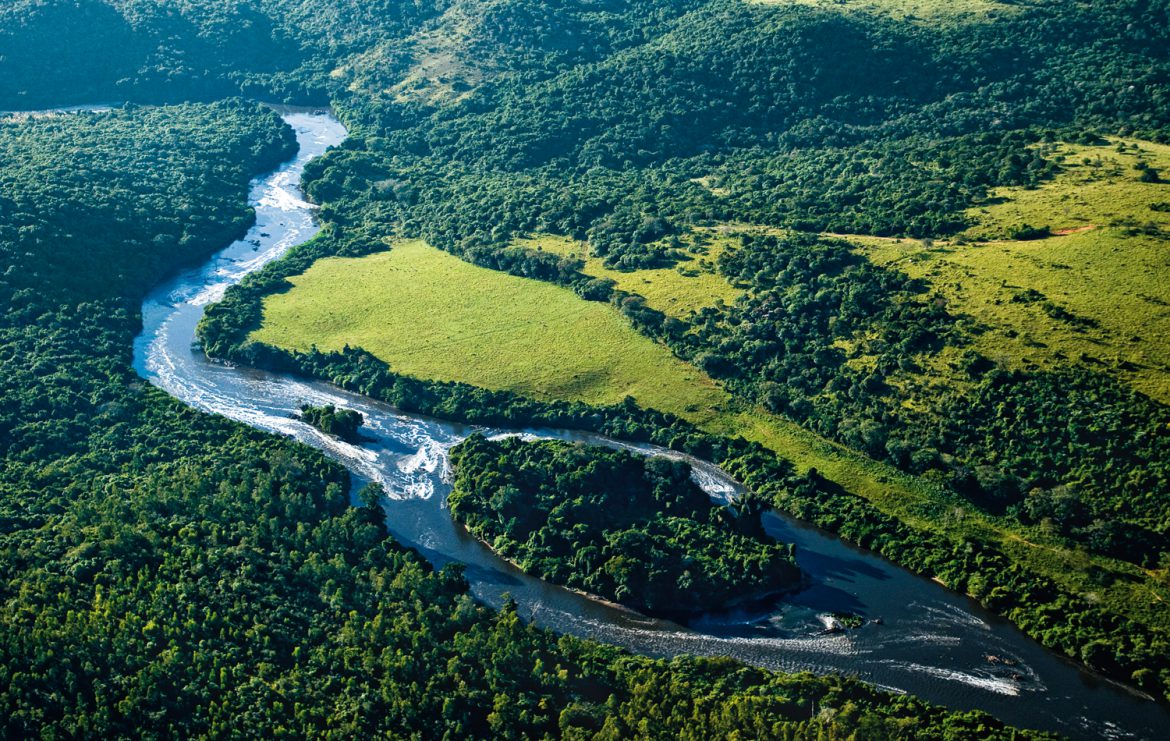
1075 230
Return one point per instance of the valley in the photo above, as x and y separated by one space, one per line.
349 347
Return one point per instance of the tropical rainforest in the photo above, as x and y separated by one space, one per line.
165 572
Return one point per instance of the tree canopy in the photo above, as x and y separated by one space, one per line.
632 529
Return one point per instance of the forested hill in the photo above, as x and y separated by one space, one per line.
305 51
843 117
782 70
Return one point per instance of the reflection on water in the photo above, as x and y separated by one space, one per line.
929 641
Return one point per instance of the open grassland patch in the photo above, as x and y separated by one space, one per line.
679 290
431 315
1095 292
1102 186
443 66
923 10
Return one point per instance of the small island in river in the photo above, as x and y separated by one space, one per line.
633 529
342 423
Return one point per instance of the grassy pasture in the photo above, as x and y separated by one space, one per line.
1095 293
431 315
677 291
913 10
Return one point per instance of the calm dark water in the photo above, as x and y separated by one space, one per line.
931 642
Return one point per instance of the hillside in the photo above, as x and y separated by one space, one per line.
1088 289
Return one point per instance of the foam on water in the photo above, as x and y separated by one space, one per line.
946 614
986 682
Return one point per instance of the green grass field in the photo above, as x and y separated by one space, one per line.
922 10
678 291
431 315
1106 267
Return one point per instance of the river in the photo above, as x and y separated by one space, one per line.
931 642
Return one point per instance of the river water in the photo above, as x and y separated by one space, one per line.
931 642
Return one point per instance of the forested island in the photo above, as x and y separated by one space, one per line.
343 423
633 529
921 250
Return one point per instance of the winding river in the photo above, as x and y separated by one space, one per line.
931 642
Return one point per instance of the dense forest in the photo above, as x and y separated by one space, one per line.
627 121
629 528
